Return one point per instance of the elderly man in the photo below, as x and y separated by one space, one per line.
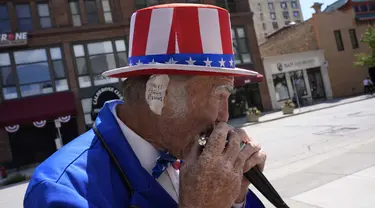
180 76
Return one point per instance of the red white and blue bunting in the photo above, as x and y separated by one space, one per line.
12 129
64 119
40 124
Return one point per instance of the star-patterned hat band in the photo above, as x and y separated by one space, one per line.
192 39
207 60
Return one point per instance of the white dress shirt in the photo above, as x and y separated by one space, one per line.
147 156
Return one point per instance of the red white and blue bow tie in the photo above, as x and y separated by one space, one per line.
162 163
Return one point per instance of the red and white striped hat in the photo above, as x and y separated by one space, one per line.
185 39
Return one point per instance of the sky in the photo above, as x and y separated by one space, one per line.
307 11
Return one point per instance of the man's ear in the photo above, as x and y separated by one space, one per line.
156 91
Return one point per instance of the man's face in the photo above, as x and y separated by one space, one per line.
194 111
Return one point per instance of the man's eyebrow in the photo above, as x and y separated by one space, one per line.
227 87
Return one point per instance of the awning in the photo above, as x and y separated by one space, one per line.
44 107
242 80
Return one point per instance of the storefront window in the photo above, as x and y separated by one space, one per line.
281 87
8 77
86 105
298 82
93 59
34 72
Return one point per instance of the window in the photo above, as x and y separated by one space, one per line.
363 8
38 71
107 11
298 83
281 87
44 16
93 59
187 1
230 5
259 7
286 15
7 77
284 5
25 22
4 19
294 4
339 43
356 8
353 38
91 12
87 107
75 12
261 16
139 4
295 13
264 26
297 21
271 7
273 15
275 25
240 47
371 7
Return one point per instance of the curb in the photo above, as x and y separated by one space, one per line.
300 113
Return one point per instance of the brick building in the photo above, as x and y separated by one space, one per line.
51 58
332 37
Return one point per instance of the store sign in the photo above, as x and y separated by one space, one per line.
101 96
295 65
13 39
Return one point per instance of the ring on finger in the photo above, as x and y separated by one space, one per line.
243 145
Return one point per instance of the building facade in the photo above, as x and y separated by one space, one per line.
51 58
334 37
271 15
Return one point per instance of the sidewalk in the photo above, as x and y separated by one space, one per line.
276 115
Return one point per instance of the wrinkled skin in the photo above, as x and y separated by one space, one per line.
212 178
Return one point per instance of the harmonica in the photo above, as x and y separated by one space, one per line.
257 178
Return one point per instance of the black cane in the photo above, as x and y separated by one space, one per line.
260 182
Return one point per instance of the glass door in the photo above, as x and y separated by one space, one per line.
316 84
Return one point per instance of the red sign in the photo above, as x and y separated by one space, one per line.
13 39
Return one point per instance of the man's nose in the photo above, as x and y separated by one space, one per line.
223 114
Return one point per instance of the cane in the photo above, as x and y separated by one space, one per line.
260 182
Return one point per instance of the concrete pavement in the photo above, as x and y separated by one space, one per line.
322 159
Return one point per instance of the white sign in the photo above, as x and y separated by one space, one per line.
13 39
156 87
285 66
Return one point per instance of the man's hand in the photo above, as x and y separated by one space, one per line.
258 157
213 179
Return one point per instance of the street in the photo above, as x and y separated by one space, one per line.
311 157
324 158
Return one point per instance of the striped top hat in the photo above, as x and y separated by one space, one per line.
184 39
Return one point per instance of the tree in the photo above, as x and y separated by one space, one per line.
364 59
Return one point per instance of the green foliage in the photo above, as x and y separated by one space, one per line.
367 59
14 179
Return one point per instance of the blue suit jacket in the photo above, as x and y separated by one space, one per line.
81 174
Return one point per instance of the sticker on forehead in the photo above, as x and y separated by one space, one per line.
155 92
